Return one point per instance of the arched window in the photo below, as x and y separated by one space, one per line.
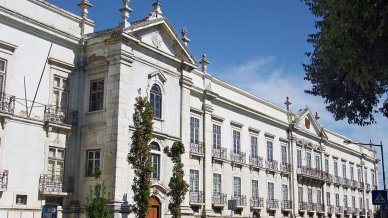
155 160
156 101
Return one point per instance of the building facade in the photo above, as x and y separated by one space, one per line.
69 92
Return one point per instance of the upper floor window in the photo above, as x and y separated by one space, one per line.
194 180
300 194
353 201
155 160
335 168
3 64
194 130
372 175
56 158
255 189
216 136
308 159
156 101
285 192
271 191
299 158
284 154
60 92
93 161
236 142
236 186
327 165
366 176
345 201
328 201
359 174
217 183
254 146
319 198
344 170
361 203
96 95
310 195
351 172
269 150
318 162
337 200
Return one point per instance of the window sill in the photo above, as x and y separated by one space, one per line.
94 112
158 119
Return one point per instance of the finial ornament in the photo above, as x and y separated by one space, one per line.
288 103
184 36
204 62
125 11
84 5
157 12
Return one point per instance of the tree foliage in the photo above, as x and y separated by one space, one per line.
97 199
140 155
178 186
349 64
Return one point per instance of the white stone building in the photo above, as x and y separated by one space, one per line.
67 96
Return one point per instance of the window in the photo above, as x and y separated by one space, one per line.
299 158
236 186
60 92
351 172
337 200
284 155
56 157
269 150
254 146
319 199
327 165
285 192
216 136
310 196
236 142
372 174
93 158
300 194
255 189
156 101
366 176
217 183
359 175
335 168
21 199
194 180
318 162
344 170
361 203
96 95
271 191
308 159
3 64
155 160
194 130
345 201
367 203
328 201
353 201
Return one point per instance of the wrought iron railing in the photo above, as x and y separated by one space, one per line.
256 161
257 202
338 180
339 209
330 209
196 197
220 153
330 179
272 165
311 172
238 157
219 198
241 200
196 148
347 210
346 182
50 183
286 204
320 208
311 207
3 179
59 115
360 185
272 203
355 211
354 183
285 168
7 103
302 205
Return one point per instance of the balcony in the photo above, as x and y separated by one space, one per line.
286 205
329 179
219 154
285 168
339 210
320 208
338 180
272 165
330 209
355 211
346 183
368 187
238 158
360 186
196 198
311 207
257 203
51 185
59 116
219 199
347 210
310 173
354 184
272 204
241 200
256 162
302 206
3 180
196 149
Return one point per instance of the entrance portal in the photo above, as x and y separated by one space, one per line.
155 208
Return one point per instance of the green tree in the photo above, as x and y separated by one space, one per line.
140 155
97 199
349 64
178 186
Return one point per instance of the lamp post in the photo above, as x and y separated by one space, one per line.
375 145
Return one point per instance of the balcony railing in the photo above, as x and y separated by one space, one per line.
220 153
241 200
219 198
51 183
320 208
330 209
7 103
59 115
311 207
354 184
355 211
330 179
256 161
368 187
360 186
196 197
346 182
347 210
238 157
302 205
338 180
286 204
257 202
311 172
272 165
3 179
339 209
196 148
272 203
285 168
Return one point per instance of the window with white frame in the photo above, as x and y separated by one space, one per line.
317 162
216 136
96 95
344 170
308 159
156 100
328 201
155 160
366 176
319 198
284 155
351 172
21 199
300 194
56 158
271 191
359 174
236 186
194 180
345 200
255 189
335 168
269 150
3 66
337 202
285 192
253 146
310 195
299 158
60 92
236 142
93 161
194 130
353 201
327 166
217 183
360 203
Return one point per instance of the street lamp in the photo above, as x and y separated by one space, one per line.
375 145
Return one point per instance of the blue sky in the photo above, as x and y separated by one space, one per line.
256 45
